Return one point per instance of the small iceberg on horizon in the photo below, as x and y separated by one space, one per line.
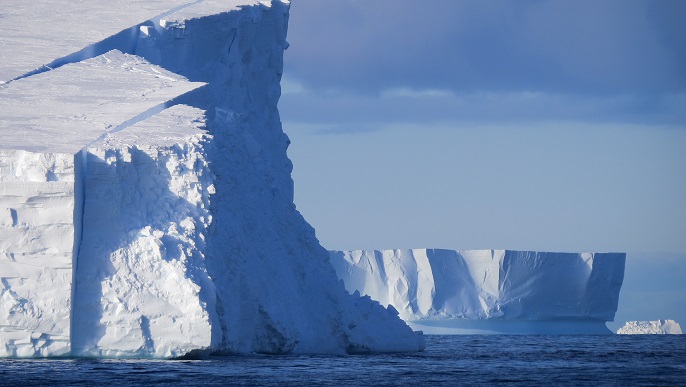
657 327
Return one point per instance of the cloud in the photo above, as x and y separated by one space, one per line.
583 47
358 66
343 111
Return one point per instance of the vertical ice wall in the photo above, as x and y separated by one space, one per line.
276 290
36 252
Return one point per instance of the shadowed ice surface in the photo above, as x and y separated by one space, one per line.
447 360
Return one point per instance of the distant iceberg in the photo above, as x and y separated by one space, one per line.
489 291
658 327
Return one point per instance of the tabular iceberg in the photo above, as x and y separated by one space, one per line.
489 291
146 203
657 327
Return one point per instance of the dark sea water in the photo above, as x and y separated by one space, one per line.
447 360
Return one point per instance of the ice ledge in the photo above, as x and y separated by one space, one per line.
57 33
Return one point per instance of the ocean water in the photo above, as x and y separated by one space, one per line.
447 360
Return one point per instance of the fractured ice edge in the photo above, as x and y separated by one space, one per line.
489 291
146 203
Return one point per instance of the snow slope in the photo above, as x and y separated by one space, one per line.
155 180
446 288
658 327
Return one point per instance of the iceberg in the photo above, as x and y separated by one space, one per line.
489 291
657 327
146 202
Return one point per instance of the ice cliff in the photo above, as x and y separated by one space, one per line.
657 327
489 291
146 203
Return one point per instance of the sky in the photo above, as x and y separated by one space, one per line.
528 125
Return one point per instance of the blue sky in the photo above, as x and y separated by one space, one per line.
530 125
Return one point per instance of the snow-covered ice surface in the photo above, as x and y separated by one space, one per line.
37 33
657 327
146 203
489 291
63 110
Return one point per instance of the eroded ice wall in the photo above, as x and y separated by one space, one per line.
428 284
276 290
36 248
142 288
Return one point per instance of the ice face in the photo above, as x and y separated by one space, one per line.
427 284
44 134
276 290
141 284
36 252
179 231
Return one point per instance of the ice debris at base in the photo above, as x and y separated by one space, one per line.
438 290
658 327
146 203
